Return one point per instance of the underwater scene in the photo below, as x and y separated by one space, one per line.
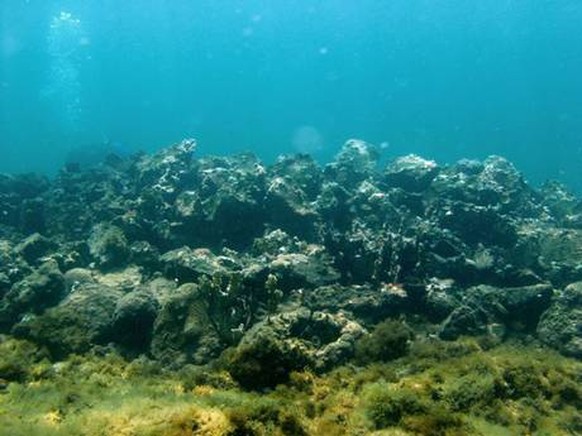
290 218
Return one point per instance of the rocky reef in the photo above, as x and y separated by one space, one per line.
281 275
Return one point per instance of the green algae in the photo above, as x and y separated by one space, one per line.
389 340
438 388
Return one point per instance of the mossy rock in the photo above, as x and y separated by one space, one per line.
264 362
81 321
182 332
385 406
43 288
109 246
17 358
34 247
263 417
133 321
560 325
388 341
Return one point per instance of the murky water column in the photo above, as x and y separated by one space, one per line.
66 43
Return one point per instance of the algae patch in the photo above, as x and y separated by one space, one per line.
511 388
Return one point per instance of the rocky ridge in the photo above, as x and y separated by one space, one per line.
289 265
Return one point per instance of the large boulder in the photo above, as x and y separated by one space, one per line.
292 341
561 325
82 320
34 247
133 321
183 331
411 173
482 308
43 288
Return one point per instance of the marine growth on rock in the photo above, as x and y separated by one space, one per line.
266 271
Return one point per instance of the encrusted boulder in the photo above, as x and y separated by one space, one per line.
563 206
226 207
481 307
354 163
442 296
133 321
367 304
492 183
476 224
35 247
76 277
559 254
43 288
108 246
13 267
82 320
561 325
303 170
303 270
292 341
410 173
294 183
182 330
288 207
389 340
168 171
187 265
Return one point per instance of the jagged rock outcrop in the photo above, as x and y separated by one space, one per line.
180 258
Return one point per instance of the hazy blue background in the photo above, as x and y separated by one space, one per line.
444 79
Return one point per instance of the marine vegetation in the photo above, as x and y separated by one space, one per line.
174 295
389 340
437 389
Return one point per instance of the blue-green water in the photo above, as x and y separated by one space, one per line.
444 79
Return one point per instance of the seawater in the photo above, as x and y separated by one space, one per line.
446 79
